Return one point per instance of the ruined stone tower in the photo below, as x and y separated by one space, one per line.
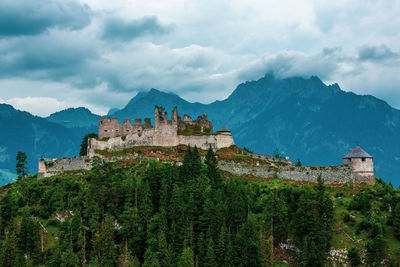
361 162
173 132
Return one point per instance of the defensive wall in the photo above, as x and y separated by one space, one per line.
330 174
282 169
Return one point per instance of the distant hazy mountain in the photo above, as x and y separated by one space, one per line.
302 118
112 111
21 131
142 105
74 117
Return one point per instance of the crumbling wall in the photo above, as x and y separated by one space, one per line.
201 121
144 138
109 127
52 167
330 174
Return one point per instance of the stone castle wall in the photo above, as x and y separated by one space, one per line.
48 168
113 136
330 174
149 138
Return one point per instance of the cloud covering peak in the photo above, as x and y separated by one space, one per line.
99 54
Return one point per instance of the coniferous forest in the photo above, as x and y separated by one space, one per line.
152 213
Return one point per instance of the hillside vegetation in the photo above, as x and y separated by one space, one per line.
145 212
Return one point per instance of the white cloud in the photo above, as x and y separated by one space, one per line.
214 45
42 106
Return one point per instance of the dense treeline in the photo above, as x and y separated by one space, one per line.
159 214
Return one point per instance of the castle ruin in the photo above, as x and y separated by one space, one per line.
173 132
361 162
357 165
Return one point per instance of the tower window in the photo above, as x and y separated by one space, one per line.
362 159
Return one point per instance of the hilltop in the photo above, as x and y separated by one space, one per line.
301 118
174 207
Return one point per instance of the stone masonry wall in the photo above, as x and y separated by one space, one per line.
331 174
362 168
150 138
53 167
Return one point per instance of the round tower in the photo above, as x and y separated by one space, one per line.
361 162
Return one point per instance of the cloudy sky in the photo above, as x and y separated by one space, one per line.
56 54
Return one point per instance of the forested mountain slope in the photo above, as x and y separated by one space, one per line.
134 212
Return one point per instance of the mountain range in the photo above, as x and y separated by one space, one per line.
300 118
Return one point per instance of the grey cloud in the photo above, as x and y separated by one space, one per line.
376 53
28 17
54 57
118 29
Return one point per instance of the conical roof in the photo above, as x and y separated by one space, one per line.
357 152
224 129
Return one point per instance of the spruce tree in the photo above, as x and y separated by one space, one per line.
166 256
108 245
69 259
9 250
354 257
212 169
186 259
396 220
210 259
84 143
28 236
246 245
21 166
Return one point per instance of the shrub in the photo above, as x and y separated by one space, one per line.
348 219
354 257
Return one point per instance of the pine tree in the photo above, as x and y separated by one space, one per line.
28 236
108 246
268 253
210 260
145 202
152 261
126 259
133 231
212 169
311 254
186 258
21 167
9 250
246 246
354 257
20 261
75 229
220 248
166 256
396 220
201 249
84 144
177 219
276 218
376 250
69 259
